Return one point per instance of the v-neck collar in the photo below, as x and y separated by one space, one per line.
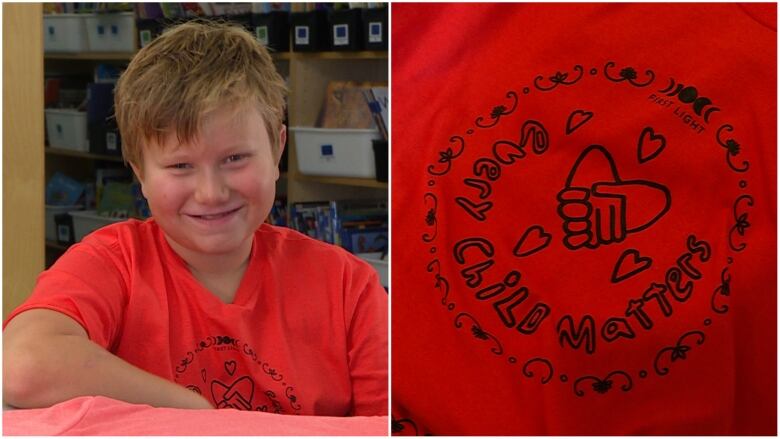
245 295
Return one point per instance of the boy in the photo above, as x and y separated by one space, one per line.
203 305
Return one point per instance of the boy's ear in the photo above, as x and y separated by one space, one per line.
139 176
282 142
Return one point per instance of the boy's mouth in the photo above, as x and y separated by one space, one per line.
216 216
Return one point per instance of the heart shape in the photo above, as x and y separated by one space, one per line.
230 367
473 273
577 119
533 240
237 395
627 268
595 172
650 145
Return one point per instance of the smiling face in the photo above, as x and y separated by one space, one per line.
210 194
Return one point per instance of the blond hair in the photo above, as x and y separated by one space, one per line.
191 69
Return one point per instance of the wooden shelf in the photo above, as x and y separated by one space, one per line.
84 155
345 181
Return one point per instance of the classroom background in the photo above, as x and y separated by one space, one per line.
63 174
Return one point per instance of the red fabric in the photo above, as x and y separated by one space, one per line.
306 333
561 174
99 416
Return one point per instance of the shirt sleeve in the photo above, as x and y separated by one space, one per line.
367 348
86 285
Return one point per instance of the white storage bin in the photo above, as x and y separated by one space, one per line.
380 265
111 32
51 212
67 129
87 221
335 152
64 33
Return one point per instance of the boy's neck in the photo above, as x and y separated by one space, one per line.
214 265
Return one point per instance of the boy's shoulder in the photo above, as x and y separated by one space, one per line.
285 243
131 232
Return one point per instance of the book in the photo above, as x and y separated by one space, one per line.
345 105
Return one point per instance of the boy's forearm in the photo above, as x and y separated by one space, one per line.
41 373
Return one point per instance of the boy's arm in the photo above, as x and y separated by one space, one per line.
48 358
368 351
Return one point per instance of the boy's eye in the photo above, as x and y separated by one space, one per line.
179 166
235 158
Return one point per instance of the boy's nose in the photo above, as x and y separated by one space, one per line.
211 188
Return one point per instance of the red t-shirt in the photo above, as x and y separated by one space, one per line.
306 333
584 219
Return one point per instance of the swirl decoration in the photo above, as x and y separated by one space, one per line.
205 344
679 351
478 332
441 283
277 405
185 362
529 373
448 155
603 386
276 376
557 79
250 352
430 217
499 111
732 149
397 425
724 289
628 74
293 399
741 224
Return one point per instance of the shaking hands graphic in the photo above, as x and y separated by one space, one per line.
598 208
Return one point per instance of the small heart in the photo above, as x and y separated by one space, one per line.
230 367
650 145
203 375
533 240
625 269
473 274
577 119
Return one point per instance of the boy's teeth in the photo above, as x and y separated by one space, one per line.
219 215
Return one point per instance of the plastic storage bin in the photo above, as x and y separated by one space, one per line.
111 32
273 30
51 212
375 29
309 31
346 30
64 33
335 152
67 129
87 221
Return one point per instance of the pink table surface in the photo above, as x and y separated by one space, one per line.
86 416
